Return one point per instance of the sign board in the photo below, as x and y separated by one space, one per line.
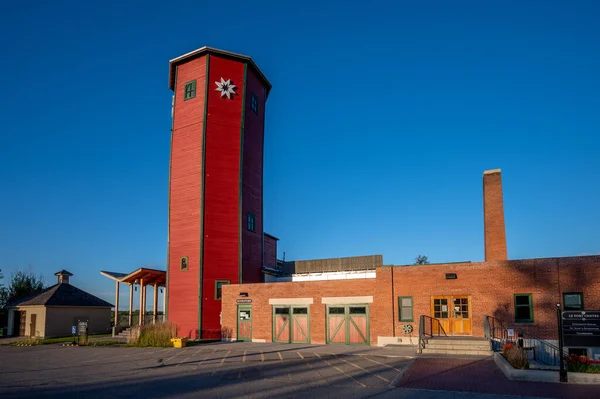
82 327
73 329
581 328
511 332
244 300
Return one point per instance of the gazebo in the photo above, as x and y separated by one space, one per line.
143 277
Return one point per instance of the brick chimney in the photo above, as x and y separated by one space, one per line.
493 216
63 276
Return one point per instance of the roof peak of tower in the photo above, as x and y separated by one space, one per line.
211 50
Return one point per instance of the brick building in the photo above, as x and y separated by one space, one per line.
223 276
521 294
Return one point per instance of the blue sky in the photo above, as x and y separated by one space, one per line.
381 121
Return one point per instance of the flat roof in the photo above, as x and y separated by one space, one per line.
211 50
272 236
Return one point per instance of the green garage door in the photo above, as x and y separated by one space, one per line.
348 324
291 324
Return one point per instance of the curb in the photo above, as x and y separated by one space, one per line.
396 381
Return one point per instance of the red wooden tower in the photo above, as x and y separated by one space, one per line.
215 184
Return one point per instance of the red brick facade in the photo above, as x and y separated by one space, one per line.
490 285
215 182
493 217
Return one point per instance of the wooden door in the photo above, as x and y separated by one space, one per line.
348 324
300 325
281 324
32 327
440 309
453 313
244 325
336 325
22 325
461 316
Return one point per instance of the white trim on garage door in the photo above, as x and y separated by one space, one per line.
346 300
290 301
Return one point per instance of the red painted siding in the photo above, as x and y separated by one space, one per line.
270 252
252 181
222 188
185 198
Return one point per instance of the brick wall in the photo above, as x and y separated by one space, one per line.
493 216
262 311
491 286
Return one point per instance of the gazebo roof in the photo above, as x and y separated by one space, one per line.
149 276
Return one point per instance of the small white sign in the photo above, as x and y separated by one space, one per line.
511 332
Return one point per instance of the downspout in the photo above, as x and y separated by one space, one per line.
393 305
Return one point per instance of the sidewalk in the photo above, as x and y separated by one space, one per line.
482 376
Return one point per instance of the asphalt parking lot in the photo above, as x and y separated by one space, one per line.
212 370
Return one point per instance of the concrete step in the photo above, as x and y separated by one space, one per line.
458 341
484 347
465 351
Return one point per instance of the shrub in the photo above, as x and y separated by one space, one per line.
156 334
517 357
582 364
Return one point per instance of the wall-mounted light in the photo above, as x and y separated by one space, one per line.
451 276
243 294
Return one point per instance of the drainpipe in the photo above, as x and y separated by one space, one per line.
393 305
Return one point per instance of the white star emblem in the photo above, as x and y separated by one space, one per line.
225 87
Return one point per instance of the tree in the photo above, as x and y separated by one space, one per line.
22 285
421 260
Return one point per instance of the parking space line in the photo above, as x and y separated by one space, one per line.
206 358
244 357
300 354
262 356
224 357
341 371
280 357
383 364
176 354
365 370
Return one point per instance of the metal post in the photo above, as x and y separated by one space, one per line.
563 370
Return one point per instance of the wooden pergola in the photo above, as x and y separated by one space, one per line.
143 277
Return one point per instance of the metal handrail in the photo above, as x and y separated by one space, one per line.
426 329
543 351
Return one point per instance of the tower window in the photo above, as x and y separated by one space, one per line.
183 263
251 222
219 288
190 90
254 103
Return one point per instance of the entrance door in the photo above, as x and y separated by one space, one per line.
348 324
454 314
16 323
244 324
32 325
291 324
22 325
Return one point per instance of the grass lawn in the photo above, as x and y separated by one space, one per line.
47 341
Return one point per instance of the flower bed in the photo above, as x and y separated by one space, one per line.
517 357
582 364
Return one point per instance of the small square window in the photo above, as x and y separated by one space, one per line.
219 288
573 300
405 308
254 103
523 308
183 263
190 90
251 222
